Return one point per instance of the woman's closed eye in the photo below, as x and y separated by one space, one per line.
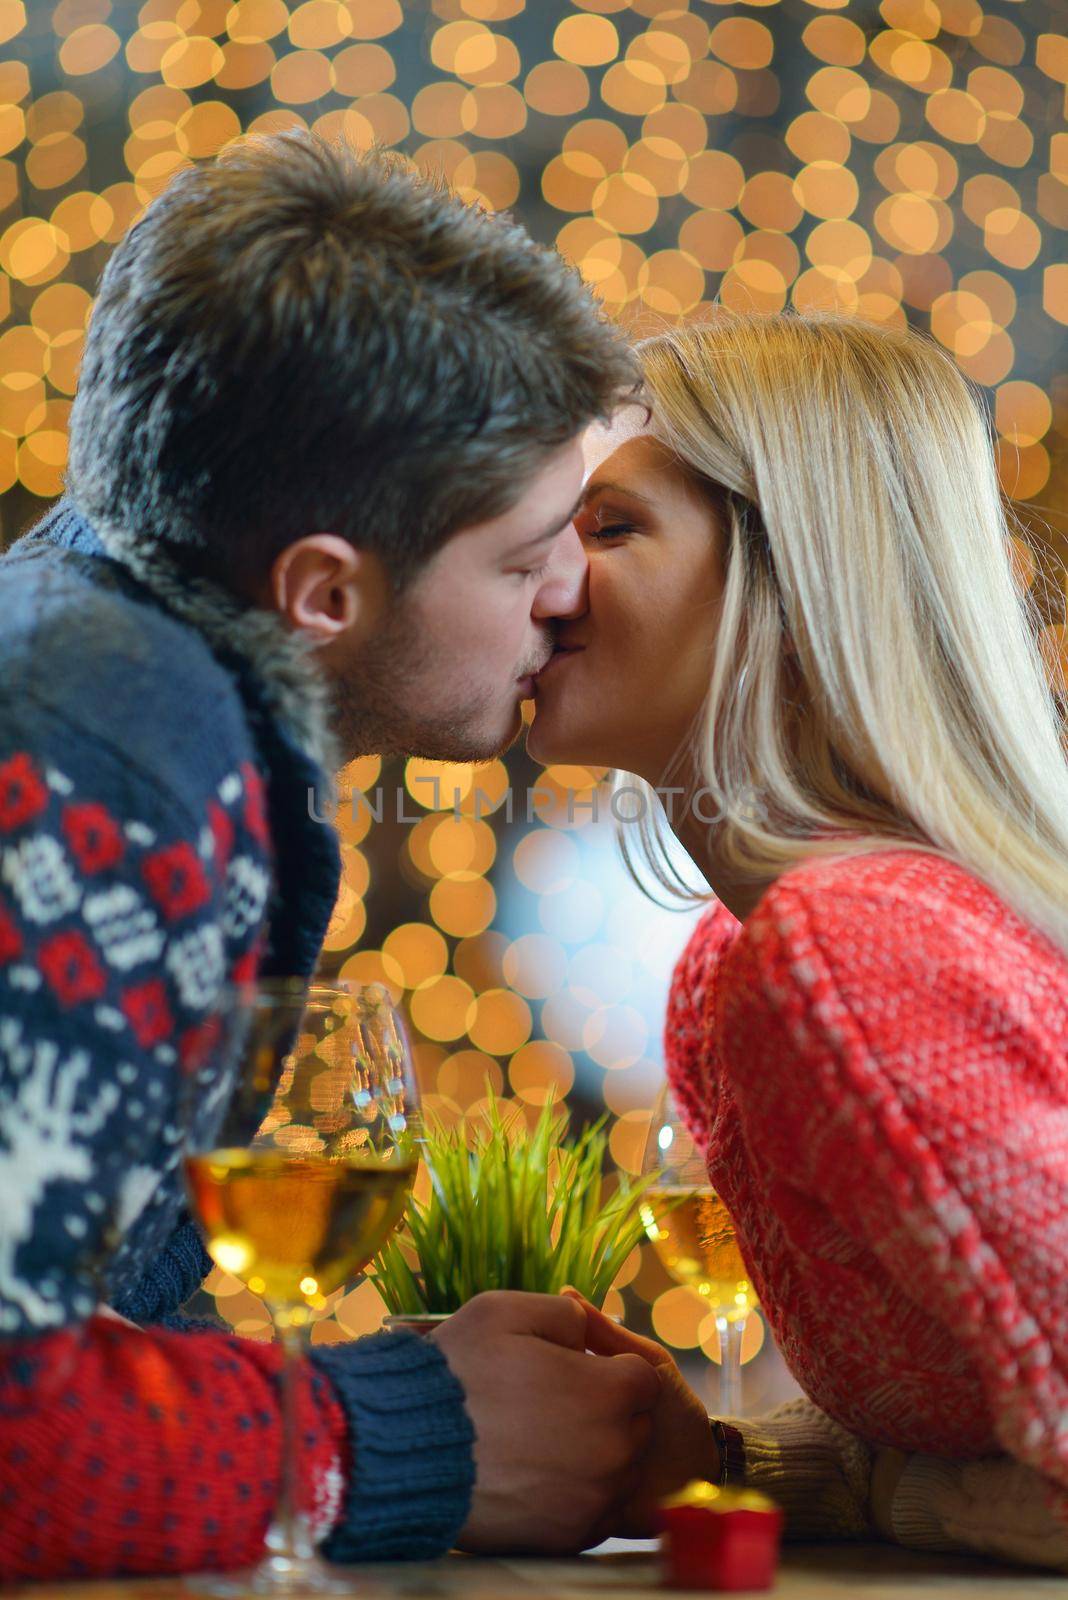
609 530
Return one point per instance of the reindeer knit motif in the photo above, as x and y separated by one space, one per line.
158 838
114 938
875 1064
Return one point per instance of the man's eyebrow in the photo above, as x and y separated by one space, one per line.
550 533
605 486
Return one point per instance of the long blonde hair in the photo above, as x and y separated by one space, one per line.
877 680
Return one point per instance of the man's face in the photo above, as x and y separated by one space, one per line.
445 675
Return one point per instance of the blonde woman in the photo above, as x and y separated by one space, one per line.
802 628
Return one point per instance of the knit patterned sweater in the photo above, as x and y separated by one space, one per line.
162 771
875 1064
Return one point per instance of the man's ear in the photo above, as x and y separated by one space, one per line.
329 589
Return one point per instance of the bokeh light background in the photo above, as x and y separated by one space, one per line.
902 161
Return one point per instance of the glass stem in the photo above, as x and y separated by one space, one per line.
730 1365
289 1536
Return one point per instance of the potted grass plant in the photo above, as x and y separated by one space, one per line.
509 1207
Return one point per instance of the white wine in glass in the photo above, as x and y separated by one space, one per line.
295 1230
301 1143
693 1235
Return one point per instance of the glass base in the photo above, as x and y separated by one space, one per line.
280 1575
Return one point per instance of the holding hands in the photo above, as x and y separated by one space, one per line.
580 1425
680 1446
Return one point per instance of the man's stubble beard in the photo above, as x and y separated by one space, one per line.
377 703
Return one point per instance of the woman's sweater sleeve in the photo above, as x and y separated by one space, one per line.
126 1450
832 1485
886 1138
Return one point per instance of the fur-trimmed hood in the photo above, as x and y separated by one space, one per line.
294 689
187 695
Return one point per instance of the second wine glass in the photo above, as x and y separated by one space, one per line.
693 1235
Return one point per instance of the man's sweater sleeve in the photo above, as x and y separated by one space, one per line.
168 1281
130 1450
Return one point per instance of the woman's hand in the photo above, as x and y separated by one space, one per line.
681 1446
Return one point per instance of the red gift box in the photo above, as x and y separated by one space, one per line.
719 1538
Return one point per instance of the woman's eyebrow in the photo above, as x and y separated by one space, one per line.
606 486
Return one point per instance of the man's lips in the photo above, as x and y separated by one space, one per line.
526 684
560 654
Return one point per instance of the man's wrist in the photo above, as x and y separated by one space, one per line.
411 1474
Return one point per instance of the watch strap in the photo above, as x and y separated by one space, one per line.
731 1454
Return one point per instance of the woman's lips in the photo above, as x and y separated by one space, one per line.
559 655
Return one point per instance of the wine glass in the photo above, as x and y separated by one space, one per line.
300 1149
693 1235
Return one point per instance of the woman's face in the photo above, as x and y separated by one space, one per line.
631 672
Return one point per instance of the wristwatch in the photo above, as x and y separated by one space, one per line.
731 1454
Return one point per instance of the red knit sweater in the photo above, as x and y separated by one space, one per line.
876 1064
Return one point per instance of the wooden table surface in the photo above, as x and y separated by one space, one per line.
619 1571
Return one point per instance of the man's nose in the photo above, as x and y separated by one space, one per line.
562 591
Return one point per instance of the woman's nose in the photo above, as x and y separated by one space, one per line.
562 591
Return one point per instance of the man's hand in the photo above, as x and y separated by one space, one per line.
559 1434
681 1446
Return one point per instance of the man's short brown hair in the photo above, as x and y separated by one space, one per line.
298 338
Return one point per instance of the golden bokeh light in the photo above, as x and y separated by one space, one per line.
502 1022
541 1071
419 952
557 88
586 41
443 1008
464 1077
